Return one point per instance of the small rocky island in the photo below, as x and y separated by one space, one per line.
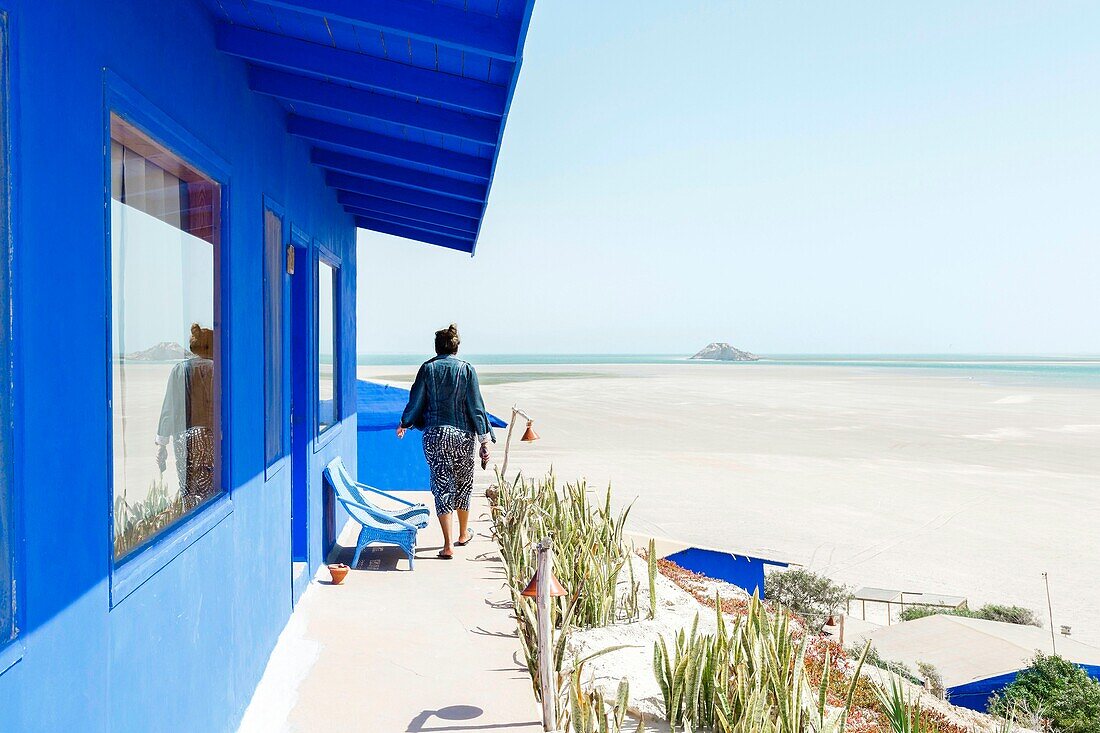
164 351
724 352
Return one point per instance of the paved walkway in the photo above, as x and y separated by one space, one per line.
391 651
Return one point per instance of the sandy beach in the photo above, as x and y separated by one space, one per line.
916 480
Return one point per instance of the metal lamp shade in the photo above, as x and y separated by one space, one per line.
532 589
529 434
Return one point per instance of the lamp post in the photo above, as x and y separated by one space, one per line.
542 588
1050 616
529 435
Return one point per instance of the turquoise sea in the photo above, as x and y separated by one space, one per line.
1081 371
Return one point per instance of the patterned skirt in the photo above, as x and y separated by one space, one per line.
450 455
194 450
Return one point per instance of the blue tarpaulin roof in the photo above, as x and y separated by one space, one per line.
380 406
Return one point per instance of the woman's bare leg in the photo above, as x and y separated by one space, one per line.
464 534
445 525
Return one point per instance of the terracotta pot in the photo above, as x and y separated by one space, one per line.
338 573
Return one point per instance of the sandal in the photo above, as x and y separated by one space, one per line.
460 543
441 556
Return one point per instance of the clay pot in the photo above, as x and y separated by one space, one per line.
338 573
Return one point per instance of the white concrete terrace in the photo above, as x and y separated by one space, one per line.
391 650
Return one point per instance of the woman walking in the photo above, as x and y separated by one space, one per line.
445 402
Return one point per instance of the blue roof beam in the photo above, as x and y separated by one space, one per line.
363 103
382 208
411 223
410 177
486 35
392 149
400 194
385 227
360 69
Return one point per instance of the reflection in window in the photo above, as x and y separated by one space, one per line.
274 388
164 233
328 407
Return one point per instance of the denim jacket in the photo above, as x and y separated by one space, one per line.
446 392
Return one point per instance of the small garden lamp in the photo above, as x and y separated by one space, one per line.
532 589
529 435
542 588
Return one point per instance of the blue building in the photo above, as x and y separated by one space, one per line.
181 186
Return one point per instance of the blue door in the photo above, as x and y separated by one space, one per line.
301 427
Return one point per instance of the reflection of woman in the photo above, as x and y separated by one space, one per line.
445 402
187 418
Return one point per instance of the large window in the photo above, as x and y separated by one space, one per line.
7 513
328 347
275 388
165 228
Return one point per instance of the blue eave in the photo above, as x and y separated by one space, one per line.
404 102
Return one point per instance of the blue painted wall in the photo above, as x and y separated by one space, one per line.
185 650
390 464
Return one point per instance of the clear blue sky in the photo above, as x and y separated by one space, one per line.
789 177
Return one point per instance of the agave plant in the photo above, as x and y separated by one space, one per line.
586 711
589 553
527 623
899 709
589 558
748 679
1005 725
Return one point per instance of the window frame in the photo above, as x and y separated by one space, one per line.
330 258
12 645
134 569
273 466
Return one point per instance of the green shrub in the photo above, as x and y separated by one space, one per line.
988 612
912 613
932 679
808 594
1062 692
1008 614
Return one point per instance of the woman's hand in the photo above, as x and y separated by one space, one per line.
162 458
484 455
400 432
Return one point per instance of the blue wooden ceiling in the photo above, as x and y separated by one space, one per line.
404 102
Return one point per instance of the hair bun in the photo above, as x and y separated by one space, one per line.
196 329
447 340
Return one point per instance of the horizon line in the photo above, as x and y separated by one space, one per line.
834 354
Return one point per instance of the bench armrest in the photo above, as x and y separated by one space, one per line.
375 514
388 495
